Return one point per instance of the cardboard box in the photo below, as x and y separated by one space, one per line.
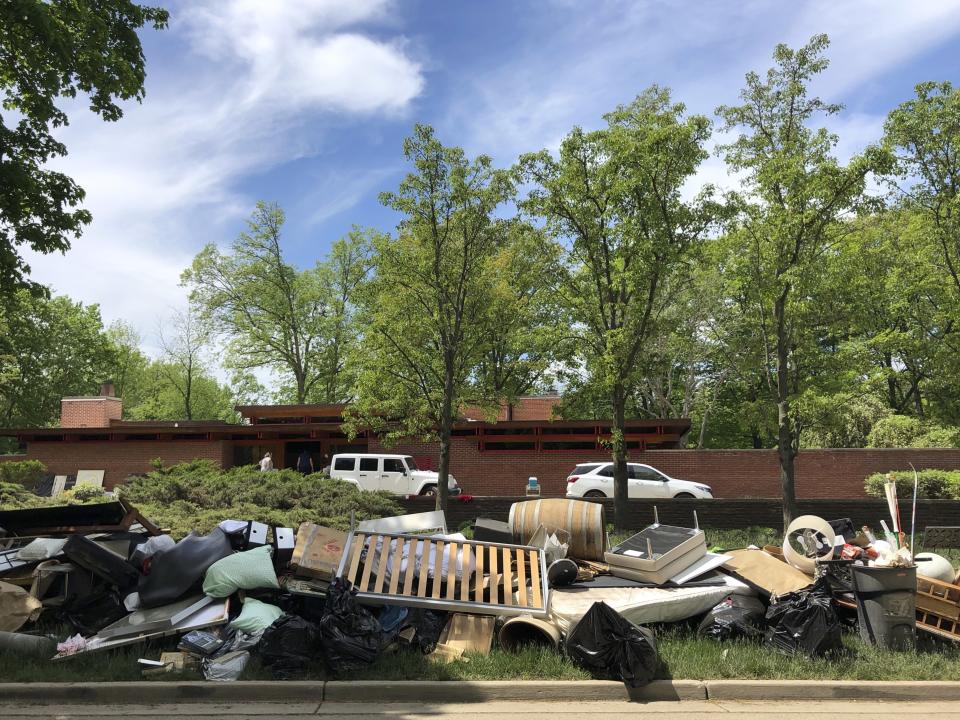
318 551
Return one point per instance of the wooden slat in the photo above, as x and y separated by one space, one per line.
380 579
507 578
424 569
494 578
521 575
356 551
411 564
452 572
478 592
438 570
535 578
371 544
465 554
395 570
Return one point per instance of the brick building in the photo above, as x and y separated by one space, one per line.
487 458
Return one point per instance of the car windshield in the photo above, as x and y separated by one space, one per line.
411 463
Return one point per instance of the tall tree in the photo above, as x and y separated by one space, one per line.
795 194
613 195
186 345
296 323
129 363
53 49
924 133
54 348
428 308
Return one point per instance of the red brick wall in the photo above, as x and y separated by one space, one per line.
89 412
525 408
731 473
122 459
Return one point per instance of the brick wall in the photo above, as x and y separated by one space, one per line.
716 514
731 473
119 460
89 412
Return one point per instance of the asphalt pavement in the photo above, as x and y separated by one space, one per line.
670 710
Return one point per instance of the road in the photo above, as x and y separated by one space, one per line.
689 710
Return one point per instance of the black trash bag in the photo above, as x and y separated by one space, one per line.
736 616
804 622
350 634
427 625
288 645
606 641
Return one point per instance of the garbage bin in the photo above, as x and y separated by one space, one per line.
886 605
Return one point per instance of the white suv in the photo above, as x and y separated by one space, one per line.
397 474
595 479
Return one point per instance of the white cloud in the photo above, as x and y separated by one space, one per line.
254 89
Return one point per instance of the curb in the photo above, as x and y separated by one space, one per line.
469 691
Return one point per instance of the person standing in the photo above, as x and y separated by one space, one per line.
266 463
305 463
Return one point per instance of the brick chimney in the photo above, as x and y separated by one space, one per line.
95 412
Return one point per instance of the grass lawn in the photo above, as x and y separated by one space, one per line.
683 655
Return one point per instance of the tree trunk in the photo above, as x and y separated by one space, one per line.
621 509
785 446
446 430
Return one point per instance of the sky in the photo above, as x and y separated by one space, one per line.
306 103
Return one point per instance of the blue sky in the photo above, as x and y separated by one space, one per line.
306 103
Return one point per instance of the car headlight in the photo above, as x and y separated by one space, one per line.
705 488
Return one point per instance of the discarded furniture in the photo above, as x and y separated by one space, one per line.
435 573
658 552
426 522
68 519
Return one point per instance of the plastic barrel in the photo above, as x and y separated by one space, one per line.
583 520
520 631
886 605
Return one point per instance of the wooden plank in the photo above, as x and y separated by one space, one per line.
522 576
411 564
452 572
355 552
424 569
380 579
395 570
438 569
368 564
535 578
507 578
478 592
465 555
494 578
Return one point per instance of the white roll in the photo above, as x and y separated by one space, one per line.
807 522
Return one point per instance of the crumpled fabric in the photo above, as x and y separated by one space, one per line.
17 607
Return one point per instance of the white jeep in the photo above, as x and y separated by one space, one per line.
397 474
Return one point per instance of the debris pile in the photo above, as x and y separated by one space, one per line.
549 577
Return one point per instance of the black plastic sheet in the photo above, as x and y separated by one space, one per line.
605 641
804 622
736 616
288 645
177 571
351 635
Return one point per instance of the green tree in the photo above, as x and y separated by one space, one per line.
924 134
162 396
795 195
428 309
186 347
296 323
129 364
53 49
56 348
613 195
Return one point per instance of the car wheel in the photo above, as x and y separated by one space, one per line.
429 491
683 496
594 494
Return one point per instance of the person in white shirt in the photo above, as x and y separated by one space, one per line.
267 463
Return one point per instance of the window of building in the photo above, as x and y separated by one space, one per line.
394 465
568 445
345 463
368 464
510 446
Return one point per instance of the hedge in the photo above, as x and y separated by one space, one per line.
933 484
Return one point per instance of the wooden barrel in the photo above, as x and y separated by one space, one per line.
583 520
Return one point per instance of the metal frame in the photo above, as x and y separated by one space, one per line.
446 603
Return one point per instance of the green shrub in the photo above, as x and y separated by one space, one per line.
198 495
902 431
22 472
14 496
933 484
